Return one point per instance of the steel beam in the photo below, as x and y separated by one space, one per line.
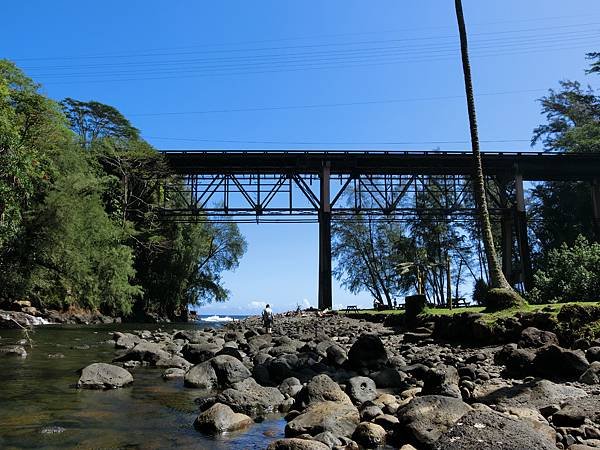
521 228
596 206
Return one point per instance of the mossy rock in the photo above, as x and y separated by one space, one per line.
498 299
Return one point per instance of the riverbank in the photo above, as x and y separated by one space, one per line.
341 381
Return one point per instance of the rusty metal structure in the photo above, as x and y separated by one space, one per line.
321 186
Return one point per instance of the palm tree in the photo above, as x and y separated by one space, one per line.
497 278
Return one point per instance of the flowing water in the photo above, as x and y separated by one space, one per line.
38 393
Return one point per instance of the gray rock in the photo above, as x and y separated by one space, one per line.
575 412
532 337
488 429
369 435
517 360
126 340
201 376
593 354
172 373
104 376
297 444
145 351
290 386
328 439
336 355
338 418
321 388
592 374
198 353
220 418
390 377
556 362
534 394
442 380
249 397
173 361
426 418
13 350
361 389
368 351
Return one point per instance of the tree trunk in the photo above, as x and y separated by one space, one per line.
497 279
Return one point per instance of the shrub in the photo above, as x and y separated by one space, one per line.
480 291
571 274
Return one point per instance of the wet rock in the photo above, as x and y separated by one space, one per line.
368 351
426 418
173 361
249 397
442 380
13 350
297 444
361 389
126 340
321 388
144 351
489 429
220 418
104 376
558 363
218 372
369 435
338 418
532 337
173 373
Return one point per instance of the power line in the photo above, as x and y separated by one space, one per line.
328 105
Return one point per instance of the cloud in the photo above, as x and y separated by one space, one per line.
257 305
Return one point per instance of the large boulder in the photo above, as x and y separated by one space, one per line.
575 412
297 444
126 340
426 418
534 394
368 351
555 362
442 380
532 337
249 397
220 418
201 376
200 352
361 389
219 372
516 360
104 376
321 388
592 374
145 351
488 429
338 418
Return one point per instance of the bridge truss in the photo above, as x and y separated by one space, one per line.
287 186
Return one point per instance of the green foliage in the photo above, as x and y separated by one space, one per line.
480 290
579 321
572 273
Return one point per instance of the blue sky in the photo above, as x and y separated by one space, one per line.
305 74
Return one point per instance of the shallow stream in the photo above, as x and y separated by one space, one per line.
37 393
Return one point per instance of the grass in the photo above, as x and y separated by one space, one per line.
553 308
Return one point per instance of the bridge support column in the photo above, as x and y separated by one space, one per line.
596 206
325 297
507 243
521 229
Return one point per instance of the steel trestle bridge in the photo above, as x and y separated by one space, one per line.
321 186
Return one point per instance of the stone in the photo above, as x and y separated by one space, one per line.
390 377
369 411
297 444
592 374
368 351
173 373
144 351
219 372
369 435
250 398
336 355
104 376
201 376
593 354
290 386
576 411
517 360
361 389
338 418
200 352
126 340
328 439
173 361
321 388
442 380
558 363
387 421
220 418
533 394
532 337
426 418
13 350
488 429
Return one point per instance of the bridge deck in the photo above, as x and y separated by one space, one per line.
533 166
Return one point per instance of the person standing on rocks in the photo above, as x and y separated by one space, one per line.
267 317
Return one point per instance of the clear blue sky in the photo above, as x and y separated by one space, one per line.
307 74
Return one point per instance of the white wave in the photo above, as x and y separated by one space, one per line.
216 319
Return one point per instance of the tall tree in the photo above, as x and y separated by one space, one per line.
497 279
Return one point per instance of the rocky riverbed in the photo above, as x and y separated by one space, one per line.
345 383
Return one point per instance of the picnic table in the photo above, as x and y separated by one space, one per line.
353 308
457 302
